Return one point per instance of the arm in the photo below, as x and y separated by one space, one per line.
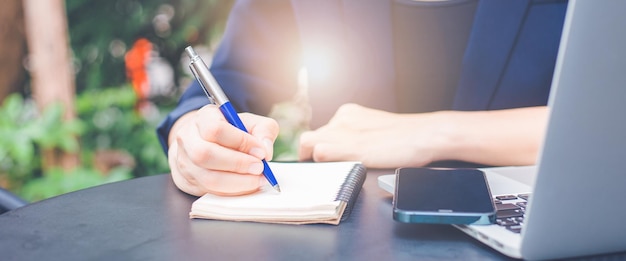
498 137
256 65
259 57
388 140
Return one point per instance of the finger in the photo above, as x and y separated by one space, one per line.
264 129
211 155
213 127
208 155
325 152
306 144
196 180
182 180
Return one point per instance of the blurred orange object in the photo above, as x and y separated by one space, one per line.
137 59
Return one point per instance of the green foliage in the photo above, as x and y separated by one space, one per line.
113 123
23 134
101 31
54 132
107 120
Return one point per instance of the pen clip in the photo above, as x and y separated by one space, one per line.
204 88
208 83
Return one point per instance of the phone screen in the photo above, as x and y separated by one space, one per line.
451 196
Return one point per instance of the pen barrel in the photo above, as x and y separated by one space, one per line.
208 83
269 175
213 91
231 116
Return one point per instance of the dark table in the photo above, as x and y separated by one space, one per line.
147 219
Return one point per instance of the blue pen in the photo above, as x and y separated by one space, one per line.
213 90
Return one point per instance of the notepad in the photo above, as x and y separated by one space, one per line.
310 193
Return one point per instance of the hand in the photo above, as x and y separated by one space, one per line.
209 155
376 138
381 139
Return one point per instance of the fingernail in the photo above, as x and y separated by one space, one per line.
256 168
258 153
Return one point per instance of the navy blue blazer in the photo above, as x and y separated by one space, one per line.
508 61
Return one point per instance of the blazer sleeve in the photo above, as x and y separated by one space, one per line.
511 54
256 62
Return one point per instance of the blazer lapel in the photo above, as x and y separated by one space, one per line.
494 33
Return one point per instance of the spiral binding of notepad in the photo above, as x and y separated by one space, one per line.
351 188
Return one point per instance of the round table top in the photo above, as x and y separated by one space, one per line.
148 218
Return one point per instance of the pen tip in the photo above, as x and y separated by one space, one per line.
277 188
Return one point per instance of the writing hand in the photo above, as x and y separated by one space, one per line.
209 155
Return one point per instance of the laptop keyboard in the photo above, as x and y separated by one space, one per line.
510 211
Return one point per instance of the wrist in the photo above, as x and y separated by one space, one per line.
450 136
434 135
445 136
499 137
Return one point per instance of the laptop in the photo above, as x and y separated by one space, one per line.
571 203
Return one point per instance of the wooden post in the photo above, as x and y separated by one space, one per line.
50 64
12 50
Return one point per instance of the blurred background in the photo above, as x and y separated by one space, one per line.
124 71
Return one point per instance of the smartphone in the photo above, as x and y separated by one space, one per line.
443 196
